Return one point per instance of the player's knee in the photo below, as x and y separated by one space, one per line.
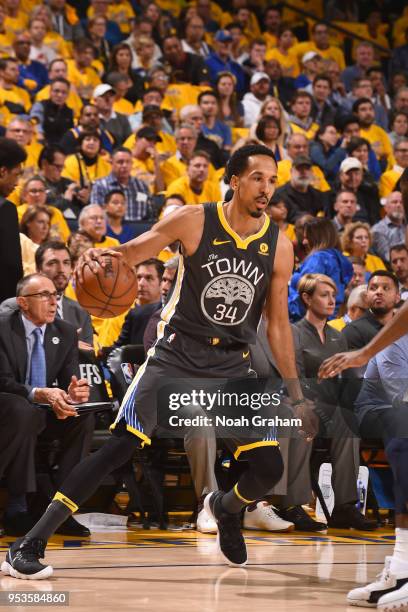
267 464
397 450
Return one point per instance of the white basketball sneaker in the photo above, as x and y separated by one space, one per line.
397 599
382 590
263 517
205 522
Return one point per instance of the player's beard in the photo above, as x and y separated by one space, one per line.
256 214
380 311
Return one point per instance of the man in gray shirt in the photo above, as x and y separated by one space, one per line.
392 229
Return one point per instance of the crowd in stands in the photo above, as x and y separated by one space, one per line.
128 110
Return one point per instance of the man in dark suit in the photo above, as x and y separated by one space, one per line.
36 350
53 259
11 158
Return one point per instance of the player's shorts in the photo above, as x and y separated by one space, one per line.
177 356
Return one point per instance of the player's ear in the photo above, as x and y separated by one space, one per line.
234 182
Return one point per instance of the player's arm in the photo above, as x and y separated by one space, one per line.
397 327
184 225
394 329
280 336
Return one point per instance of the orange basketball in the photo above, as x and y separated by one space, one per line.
109 291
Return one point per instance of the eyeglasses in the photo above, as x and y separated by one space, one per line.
45 296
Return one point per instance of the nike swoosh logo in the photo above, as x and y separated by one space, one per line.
245 355
218 242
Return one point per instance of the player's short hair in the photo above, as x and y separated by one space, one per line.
207 92
238 162
309 282
385 273
55 245
200 153
60 80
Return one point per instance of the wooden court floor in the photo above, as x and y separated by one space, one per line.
118 569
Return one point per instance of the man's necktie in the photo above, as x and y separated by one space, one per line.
38 371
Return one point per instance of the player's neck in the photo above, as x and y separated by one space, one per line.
242 223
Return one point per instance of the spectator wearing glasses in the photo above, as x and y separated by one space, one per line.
34 193
92 220
390 178
36 350
54 117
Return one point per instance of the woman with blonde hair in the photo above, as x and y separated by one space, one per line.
315 341
356 242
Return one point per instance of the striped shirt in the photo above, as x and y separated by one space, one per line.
136 191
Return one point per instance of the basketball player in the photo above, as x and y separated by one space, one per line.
224 245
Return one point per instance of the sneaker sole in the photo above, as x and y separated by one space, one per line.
284 530
209 530
9 570
361 603
209 511
401 605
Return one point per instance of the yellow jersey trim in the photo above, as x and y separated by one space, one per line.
238 494
139 434
247 447
241 243
66 501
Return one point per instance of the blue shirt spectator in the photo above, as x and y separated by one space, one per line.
220 60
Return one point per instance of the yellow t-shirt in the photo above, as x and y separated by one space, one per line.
144 171
73 101
270 39
290 232
28 249
167 145
121 13
289 63
15 95
74 164
18 24
58 224
388 181
380 142
310 133
372 262
58 44
311 6
107 243
6 45
284 167
211 191
123 106
173 168
85 80
333 53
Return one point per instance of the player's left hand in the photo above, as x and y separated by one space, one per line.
341 361
78 390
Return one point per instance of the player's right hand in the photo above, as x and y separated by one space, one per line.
94 257
342 361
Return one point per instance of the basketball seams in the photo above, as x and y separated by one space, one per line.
93 295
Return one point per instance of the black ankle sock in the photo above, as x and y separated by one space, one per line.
54 516
231 503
